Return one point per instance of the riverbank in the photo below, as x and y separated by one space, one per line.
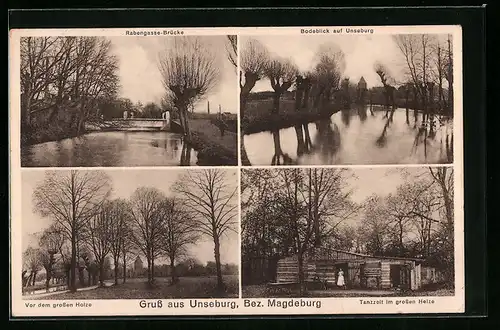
259 117
33 134
213 149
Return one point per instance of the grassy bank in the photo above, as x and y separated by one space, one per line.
213 149
259 117
34 134
137 288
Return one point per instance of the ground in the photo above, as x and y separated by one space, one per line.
260 291
136 288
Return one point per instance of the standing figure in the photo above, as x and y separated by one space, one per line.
340 279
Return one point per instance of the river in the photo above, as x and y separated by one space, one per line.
352 137
117 148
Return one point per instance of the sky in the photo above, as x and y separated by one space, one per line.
141 80
124 184
361 54
381 181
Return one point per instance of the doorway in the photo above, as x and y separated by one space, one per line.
400 276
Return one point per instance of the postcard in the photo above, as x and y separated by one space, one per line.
236 171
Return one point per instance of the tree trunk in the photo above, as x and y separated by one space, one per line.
34 278
116 270
220 282
68 278
149 270
81 276
152 269
243 103
301 277
72 286
26 111
124 267
172 270
301 147
407 109
101 272
276 102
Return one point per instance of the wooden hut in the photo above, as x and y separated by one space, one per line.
360 270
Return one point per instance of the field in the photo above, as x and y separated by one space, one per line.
261 291
137 288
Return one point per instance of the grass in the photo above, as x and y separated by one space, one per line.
260 291
137 288
259 117
213 149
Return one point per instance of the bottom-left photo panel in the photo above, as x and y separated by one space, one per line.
128 234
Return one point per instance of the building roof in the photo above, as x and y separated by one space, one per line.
361 255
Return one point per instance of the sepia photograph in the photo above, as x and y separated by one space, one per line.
134 234
330 232
218 171
346 99
125 101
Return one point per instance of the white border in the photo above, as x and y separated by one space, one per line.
337 305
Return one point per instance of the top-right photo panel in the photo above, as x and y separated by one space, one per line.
346 99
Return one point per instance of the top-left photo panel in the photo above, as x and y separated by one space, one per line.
128 101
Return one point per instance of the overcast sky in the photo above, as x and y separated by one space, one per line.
140 77
124 184
361 54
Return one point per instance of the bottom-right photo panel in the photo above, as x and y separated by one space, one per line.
357 232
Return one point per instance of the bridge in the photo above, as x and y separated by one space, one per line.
138 124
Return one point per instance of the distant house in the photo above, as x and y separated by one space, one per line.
362 84
138 269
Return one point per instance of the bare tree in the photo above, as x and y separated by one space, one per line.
33 263
281 73
389 89
232 49
50 243
211 199
147 225
71 198
100 228
179 232
316 203
417 52
189 71
327 72
120 216
69 75
253 61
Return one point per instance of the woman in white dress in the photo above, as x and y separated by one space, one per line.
340 279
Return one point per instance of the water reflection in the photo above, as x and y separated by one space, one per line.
353 137
112 149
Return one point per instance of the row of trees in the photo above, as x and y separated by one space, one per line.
114 108
428 74
295 211
93 227
63 81
316 86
